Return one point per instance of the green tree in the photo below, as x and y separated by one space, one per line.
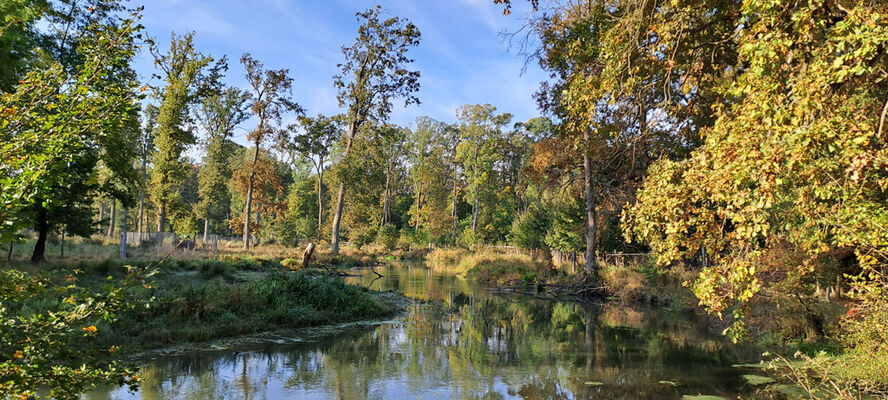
320 135
481 129
146 149
529 229
269 102
391 139
218 115
56 126
373 74
18 39
189 76
431 159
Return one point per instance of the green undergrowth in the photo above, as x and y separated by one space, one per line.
198 300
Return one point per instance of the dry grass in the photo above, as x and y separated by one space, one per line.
489 265
624 282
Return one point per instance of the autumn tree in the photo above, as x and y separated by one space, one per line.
270 100
373 75
794 165
261 180
189 76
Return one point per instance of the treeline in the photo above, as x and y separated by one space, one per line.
116 156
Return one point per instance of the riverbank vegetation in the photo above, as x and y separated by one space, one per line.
64 315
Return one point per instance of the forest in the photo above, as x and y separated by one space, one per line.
737 146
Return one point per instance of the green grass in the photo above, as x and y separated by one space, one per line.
199 300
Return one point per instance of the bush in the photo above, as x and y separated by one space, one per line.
529 229
467 239
361 236
388 236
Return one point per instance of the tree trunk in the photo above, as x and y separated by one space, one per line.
340 199
123 216
206 230
453 208
418 206
9 254
250 199
42 231
62 245
111 217
101 211
591 221
139 227
337 218
320 198
258 224
475 213
161 221
386 195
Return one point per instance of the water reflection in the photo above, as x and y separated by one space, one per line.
486 347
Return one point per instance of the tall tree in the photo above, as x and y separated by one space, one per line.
480 128
271 99
373 74
146 149
57 125
218 115
316 142
189 76
391 139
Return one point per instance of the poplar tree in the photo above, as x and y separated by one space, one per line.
189 76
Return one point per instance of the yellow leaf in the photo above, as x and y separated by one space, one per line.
91 329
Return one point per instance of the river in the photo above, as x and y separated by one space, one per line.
479 346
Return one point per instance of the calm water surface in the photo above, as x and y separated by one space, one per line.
485 346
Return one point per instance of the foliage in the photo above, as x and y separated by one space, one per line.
56 126
319 137
529 229
218 114
388 236
270 101
796 158
267 193
53 343
189 77
373 74
566 232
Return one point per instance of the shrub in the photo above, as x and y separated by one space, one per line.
388 236
291 263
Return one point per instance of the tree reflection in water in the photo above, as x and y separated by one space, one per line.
479 346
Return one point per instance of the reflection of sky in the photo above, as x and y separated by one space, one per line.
515 348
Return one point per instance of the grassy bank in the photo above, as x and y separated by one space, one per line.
638 281
198 300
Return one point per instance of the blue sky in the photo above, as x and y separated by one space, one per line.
462 57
